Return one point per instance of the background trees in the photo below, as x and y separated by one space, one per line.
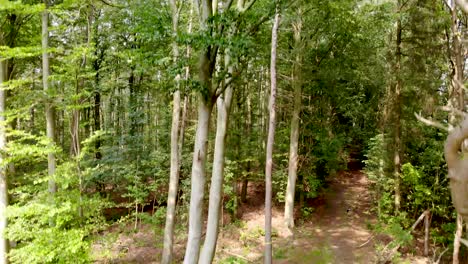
133 85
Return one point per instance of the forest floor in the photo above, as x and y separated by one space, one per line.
336 231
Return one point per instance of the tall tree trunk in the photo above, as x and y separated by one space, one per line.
271 139
397 114
217 177
206 100
3 170
198 182
294 138
458 78
50 109
175 148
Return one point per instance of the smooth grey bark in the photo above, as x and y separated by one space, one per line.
216 188
4 244
294 137
50 110
198 182
175 153
209 247
205 106
271 139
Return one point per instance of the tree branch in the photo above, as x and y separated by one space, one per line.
248 6
430 122
228 5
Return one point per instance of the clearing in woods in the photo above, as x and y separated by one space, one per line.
335 232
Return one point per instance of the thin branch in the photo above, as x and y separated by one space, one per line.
447 4
464 241
430 122
237 256
112 4
248 6
421 217
367 242
440 256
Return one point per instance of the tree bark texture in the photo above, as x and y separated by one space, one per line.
294 137
175 152
206 65
270 142
3 170
458 95
198 182
50 110
216 188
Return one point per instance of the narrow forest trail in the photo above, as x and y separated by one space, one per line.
333 233
339 228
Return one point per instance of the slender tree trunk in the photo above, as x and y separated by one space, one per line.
245 181
4 244
456 242
173 182
458 78
294 138
270 142
397 114
217 177
50 110
198 182
175 149
206 101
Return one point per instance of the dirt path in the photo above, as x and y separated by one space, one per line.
333 232
341 226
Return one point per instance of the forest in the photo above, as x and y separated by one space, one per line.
233 131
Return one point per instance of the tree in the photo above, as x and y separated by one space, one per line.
3 172
50 110
294 138
271 138
206 98
175 154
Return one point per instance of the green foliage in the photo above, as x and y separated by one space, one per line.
32 213
231 203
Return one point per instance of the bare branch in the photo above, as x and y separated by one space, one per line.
248 6
440 256
367 242
430 122
421 217
451 109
